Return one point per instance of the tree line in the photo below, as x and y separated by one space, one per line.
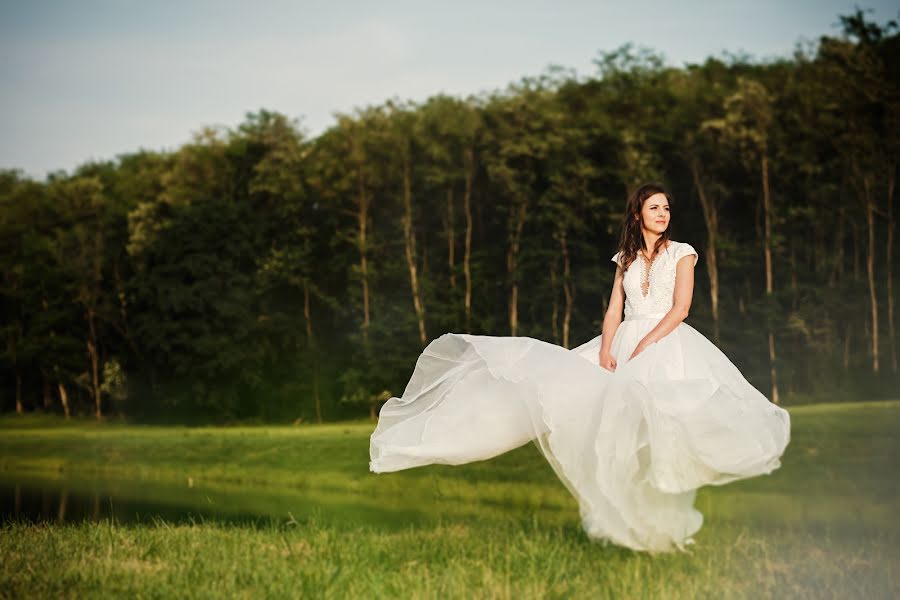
260 273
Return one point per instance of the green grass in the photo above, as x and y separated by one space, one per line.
294 512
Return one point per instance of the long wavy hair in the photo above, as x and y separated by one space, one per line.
631 241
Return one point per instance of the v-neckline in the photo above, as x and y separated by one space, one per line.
647 270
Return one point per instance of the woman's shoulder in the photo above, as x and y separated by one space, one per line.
679 250
674 248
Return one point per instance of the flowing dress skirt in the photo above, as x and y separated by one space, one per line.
632 445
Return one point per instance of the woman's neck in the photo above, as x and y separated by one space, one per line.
650 240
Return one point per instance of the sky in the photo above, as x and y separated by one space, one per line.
91 79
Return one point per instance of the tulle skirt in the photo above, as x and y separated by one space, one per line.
632 445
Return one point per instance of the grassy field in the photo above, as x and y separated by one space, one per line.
294 512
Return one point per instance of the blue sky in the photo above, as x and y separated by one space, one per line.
94 78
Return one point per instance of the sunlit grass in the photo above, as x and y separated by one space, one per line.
822 526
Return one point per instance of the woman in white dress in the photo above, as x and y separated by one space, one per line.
632 421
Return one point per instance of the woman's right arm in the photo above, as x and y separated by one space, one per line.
611 321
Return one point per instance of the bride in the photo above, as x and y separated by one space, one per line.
632 421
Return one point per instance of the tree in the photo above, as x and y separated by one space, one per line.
520 134
746 124
449 131
80 250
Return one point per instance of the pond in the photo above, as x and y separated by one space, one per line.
60 500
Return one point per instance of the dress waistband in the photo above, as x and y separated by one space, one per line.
646 316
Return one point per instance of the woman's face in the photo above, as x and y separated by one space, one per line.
655 213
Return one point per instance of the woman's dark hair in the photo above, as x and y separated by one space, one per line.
631 241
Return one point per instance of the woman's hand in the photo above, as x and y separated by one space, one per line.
607 361
642 345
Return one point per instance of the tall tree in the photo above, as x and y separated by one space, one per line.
747 122
403 129
80 249
520 134
449 134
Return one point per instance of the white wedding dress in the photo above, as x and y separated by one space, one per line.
632 445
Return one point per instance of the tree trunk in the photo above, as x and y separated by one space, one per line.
711 218
519 212
311 344
818 257
64 399
451 240
20 409
122 326
867 330
362 217
63 505
889 251
793 266
870 269
847 331
568 289
95 362
424 272
410 247
47 393
767 248
554 312
837 271
467 203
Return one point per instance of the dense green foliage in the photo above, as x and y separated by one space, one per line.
259 273
822 526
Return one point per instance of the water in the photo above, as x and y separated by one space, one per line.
43 500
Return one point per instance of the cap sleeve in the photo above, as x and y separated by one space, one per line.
684 250
615 258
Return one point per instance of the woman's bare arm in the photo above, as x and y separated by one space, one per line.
612 320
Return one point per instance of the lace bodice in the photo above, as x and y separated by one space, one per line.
660 295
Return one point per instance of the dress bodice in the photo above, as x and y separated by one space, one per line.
660 296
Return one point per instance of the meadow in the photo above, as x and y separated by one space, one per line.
199 512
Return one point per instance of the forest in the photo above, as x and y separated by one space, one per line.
258 273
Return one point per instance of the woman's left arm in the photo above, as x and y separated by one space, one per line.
681 304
